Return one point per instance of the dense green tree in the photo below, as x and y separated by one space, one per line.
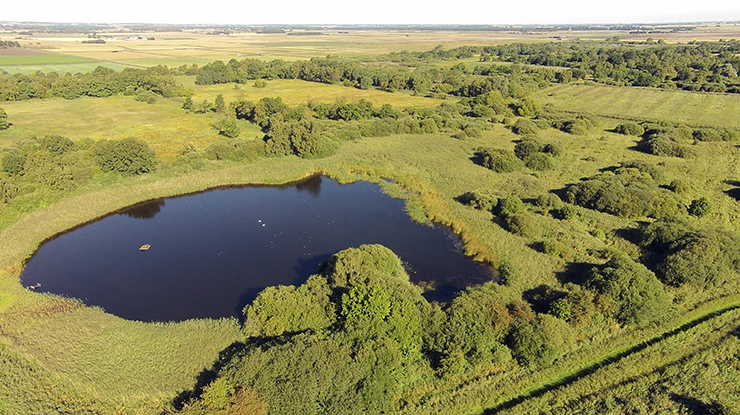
4 125
219 104
510 205
530 345
629 128
188 105
524 126
127 156
700 207
281 309
636 295
227 126
528 146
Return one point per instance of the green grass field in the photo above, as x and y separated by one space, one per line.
295 92
692 108
164 125
28 64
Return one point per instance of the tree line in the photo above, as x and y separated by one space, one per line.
101 82
698 66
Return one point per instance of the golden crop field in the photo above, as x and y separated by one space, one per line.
197 46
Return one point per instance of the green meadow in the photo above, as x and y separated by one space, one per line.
693 108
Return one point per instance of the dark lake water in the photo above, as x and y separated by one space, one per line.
213 252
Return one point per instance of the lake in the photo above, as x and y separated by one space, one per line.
211 253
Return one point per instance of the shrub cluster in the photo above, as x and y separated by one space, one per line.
688 255
626 192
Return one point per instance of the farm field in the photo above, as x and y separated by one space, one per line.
197 47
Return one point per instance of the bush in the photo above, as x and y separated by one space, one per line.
707 134
527 147
702 258
530 345
625 192
13 163
539 162
679 187
500 160
522 224
663 139
629 128
634 291
510 205
554 149
567 212
549 201
7 191
482 199
576 127
643 167
554 247
128 156
4 125
56 145
525 127
700 207
146 96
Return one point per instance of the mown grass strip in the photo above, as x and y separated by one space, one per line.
718 308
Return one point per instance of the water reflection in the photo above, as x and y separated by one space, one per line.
145 210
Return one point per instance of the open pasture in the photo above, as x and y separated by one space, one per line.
164 125
692 108
295 92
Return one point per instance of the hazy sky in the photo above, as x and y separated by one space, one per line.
373 11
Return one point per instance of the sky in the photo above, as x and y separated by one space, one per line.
250 12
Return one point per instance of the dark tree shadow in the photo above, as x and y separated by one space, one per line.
307 267
563 193
206 376
734 193
441 293
736 332
696 406
606 169
575 272
145 210
633 235
477 158
541 297
312 185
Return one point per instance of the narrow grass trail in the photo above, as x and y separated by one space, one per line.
569 378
